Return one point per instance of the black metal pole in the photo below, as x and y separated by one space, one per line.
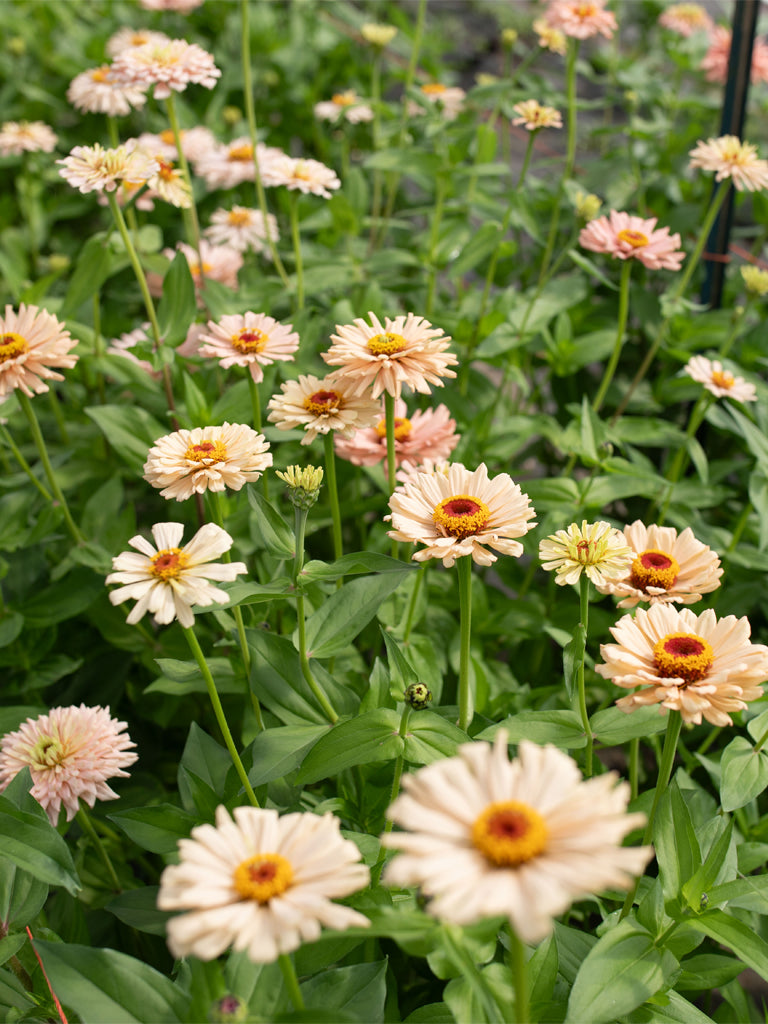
732 123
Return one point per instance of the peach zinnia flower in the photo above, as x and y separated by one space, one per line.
249 339
321 406
485 836
262 883
461 513
344 106
70 752
685 19
666 567
596 549
729 157
429 435
308 176
95 169
169 67
31 342
17 137
225 166
627 237
180 6
581 19
719 382
100 91
189 462
715 62
533 116
169 579
695 665
407 351
242 228
131 38
551 39
449 99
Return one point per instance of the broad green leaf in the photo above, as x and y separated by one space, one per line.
346 612
271 527
358 991
240 593
401 672
202 772
138 909
11 625
542 976
591 268
707 971
676 1010
563 728
621 972
675 842
158 828
13 995
353 564
737 936
757 727
613 726
744 773
96 262
21 895
104 985
64 599
704 878
279 750
750 893
370 737
178 306
480 246
129 429
430 738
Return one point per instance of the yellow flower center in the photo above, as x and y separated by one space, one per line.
100 74
634 238
343 99
723 379
249 340
169 138
509 833
301 171
262 877
194 268
241 152
239 218
167 172
47 753
11 346
207 451
386 344
402 428
585 10
433 88
683 655
322 402
168 564
461 515
653 568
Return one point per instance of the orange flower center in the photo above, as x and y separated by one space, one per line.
11 346
207 451
585 10
433 88
194 268
322 402
509 833
249 340
100 74
169 138
343 99
241 152
654 568
386 344
167 172
402 428
634 238
239 218
262 877
168 564
461 515
683 655
723 379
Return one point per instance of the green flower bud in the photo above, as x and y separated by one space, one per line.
418 695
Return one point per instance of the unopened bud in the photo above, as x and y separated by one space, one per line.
16 45
231 115
509 37
304 484
587 205
418 695
755 280
378 35
228 1010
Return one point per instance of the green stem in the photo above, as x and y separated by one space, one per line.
23 462
53 401
613 362
733 334
42 451
740 526
389 420
396 777
190 213
87 827
218 711
434 236
333 494
634 767
680 460
459 953
253 388
665 770
296 238
582 694
291 981
409 621
114 134
464 570
519 970
761 741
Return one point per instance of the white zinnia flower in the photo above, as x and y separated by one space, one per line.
596 549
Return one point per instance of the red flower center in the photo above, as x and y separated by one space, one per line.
460 516
509 833
653 568
684 656
168 564
249 340
11 346
322 402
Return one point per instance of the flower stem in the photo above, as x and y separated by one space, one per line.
333 494
680 460
464 570
459 953
584 622
396 777
37 437
296 238
23 462
665 770
190 212
291 981
253 388
87 827
389 419
420 575
434 237
519 969
613 362
634 767
218 711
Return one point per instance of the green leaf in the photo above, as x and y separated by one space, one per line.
274 531
591 268
705 877
430 738
542 976
707 971
95 263
675 842
750 893
480 245
202 772
13 995
613 726
358 991
353 564
346 612
130 430
372 736
401 671
64 599
279 750
178 306
744 773
21 895
563 728
739 937
622 970
10 626
158 828
138 909
104 985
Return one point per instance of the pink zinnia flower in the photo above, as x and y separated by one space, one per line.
123 346
70 752
729 157
169 67
308 176
242 228
225 166
715 61
626 237
17 137
685 19
180 6
422 436
130 38
253 340
449 99
95 169
100 91
345 106
581 19
31 342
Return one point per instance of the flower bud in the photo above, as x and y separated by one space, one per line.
304 484
509 37
231 115
755 280
418 695
378 35
228 1010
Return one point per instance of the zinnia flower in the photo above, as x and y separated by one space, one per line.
378 35
551 39
626 237
194 142
100 91
685 19
695 665
461 513
242 228
230 165
31 342
189 462
169 579
486 836
249 339
429 435
308 176
666 567
533 116
729 157
405 351
17 137
581 20
70 752
320 406
344 106
261 883
596 549
169 67
180 6
131 38
170 185
715 62
718 381
755 280
95 169
448 98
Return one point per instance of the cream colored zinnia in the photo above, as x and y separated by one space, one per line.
488 837
320 406
261 883
596 549
31 342
252 340
17 137
461 513
729 157
719 381
95 169
533 116
701 666
667 567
